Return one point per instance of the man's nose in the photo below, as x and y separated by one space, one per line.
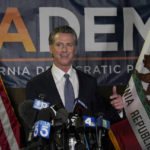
64 47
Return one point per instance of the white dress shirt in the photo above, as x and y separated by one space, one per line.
59 79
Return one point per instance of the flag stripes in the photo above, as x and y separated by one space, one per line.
9 126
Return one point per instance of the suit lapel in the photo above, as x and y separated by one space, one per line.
81 84
53 92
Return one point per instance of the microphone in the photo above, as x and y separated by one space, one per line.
79 107
42 127
46 114
28 115
60 121
53 116
89 121
40 104
76 126
101 125
61 116
101 121
28 111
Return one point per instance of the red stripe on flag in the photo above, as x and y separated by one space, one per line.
124 136
10 112
3 139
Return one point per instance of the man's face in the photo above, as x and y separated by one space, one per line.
63 49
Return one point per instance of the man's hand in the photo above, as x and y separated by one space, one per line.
116 99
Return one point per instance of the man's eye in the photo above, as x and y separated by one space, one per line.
70 44
59 45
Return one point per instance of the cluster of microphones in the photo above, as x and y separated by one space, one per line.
53 128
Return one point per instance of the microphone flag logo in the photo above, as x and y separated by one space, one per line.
42 129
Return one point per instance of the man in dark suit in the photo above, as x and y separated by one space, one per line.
63 42
52 83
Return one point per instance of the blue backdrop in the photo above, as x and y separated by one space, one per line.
111 34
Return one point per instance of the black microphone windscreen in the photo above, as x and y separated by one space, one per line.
80 146
27 112
46 114
62 115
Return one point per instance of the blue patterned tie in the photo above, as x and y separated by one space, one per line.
69 94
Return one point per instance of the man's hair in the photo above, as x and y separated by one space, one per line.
62 29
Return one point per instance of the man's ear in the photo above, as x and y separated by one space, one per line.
50 49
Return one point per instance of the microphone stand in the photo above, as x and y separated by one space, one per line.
99 138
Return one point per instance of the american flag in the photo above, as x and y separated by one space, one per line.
9 125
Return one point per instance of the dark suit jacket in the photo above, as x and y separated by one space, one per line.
88 93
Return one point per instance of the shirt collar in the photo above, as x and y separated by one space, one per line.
58 73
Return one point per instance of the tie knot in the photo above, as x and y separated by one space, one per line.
66 76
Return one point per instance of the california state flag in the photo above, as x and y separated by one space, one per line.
137 107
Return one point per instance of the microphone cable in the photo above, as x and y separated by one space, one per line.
86 142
